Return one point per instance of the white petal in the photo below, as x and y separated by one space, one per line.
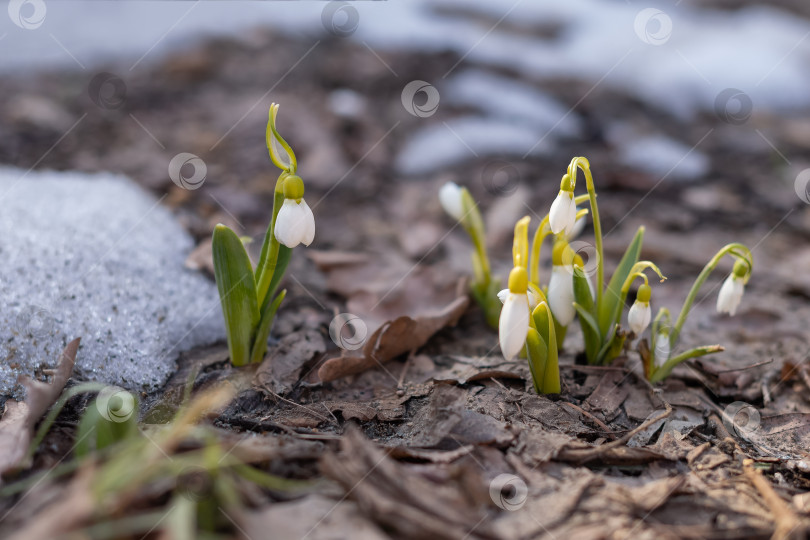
638 318
283 231
450 199
562 215
730 295
561 295
308 233
662 349
513 325
579 225
502 294
534 299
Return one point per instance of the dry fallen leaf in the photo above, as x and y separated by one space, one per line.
20 417
405 305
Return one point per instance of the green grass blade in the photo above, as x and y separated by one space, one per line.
610 309
538 357
544 323
263 331
237 293
590 333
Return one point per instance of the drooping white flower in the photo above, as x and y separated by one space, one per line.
662 348
532 297
561 294
563 214
295 223
730 294
638 318
450 199
513 324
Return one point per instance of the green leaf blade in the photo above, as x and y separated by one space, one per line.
237 292
610 309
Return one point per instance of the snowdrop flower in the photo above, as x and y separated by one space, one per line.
532 297
579 226
513 324
662 348
640 313
295 223
563 214
732 290
561 287
450 198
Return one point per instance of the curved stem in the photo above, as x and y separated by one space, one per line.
542 232
269 256
735 249
582 163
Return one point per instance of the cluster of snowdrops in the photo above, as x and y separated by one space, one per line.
532 319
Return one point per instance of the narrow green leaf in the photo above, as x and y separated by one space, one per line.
663 372
237 293
538 357
600 357
612 298
263 331
544 323
265 269
590 333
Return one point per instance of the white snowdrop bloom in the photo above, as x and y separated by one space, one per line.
638 318
730 294
295 224
561 295
532 297
450 199
662 349
563 214
513 324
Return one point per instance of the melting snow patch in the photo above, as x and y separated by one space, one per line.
98 258
664 158
442 145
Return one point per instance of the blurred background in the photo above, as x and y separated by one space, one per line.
695 117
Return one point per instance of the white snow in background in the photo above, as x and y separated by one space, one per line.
507 99
96 257
760 50
664 158
444 144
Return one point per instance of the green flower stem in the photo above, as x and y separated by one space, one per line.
734 249
269 257
637 271
583 164
663 372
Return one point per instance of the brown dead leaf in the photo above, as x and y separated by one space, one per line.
20 417
281 369
201 258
